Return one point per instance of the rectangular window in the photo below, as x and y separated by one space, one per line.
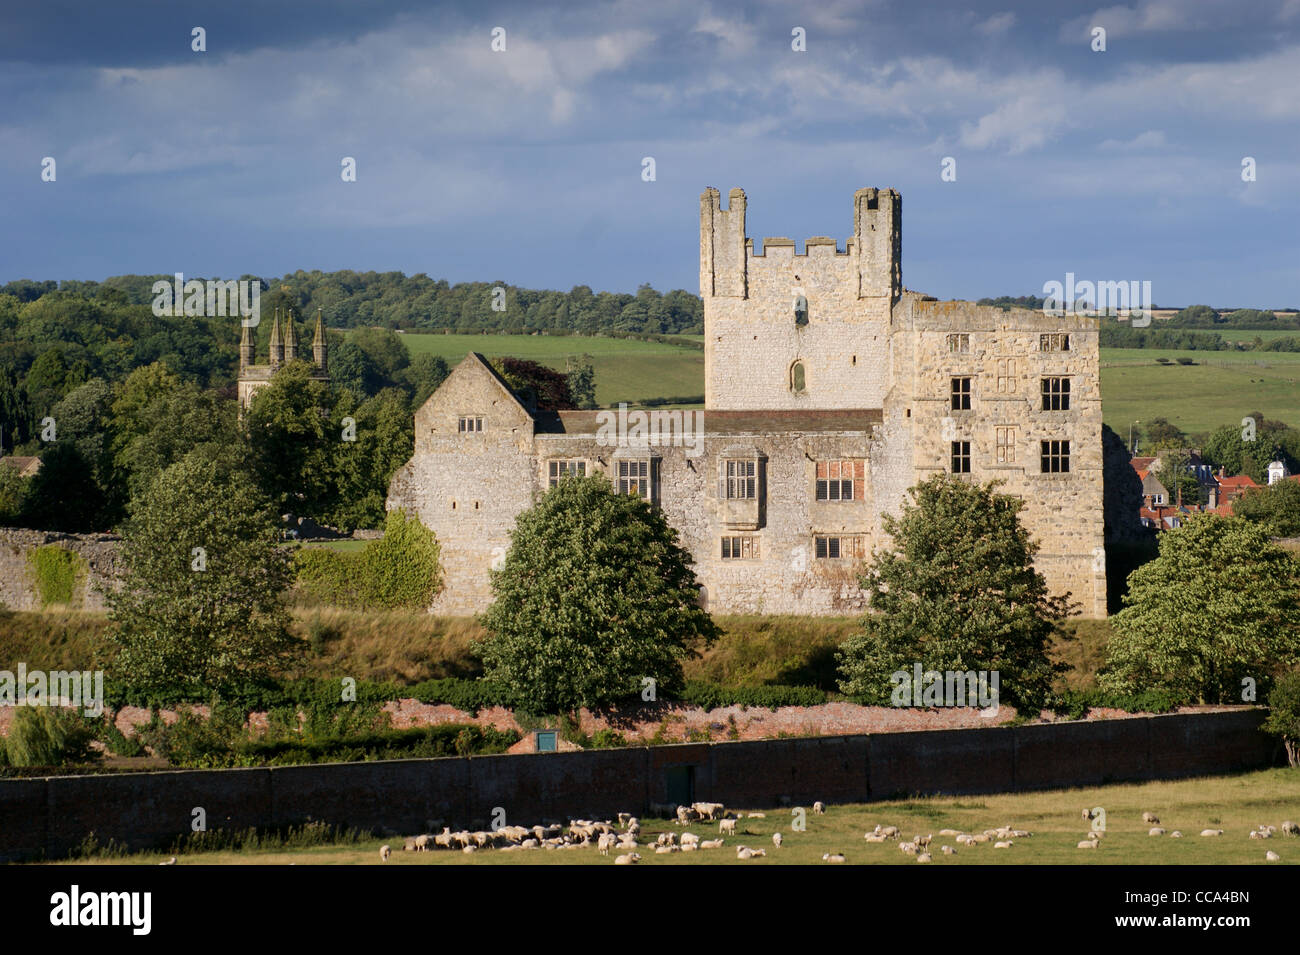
1057 341
1006 445
959 344
468 425
562 469
961 394
739 548
1056 457
839 480
1006 376
834 548
742 480
1056 394
961 457
633 477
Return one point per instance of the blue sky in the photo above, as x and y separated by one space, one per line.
525 165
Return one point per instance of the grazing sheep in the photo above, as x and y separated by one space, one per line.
1175 834
819 808
708 810
1087 815
410 845
711 844
874 837
948 850
1211 832
907 848
1272 856
727 827
889 832
744 852
686 814
1087 844
631 858
776 839
1150 818
924 857
666 838
1003 845
1156 831
1260 834
665 850
949 832
531 844
923 841
422 843
833 857
690 839
979 837
758 852
384 853
1289 828
604 843
468 849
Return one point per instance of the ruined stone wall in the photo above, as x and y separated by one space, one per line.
18 590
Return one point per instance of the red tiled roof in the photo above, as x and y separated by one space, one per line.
1239 480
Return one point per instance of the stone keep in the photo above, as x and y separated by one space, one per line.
828 382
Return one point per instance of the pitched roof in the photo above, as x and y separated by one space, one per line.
1237 481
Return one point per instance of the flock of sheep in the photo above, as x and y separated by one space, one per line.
1265 831
623 839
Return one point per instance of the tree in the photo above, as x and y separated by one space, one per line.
595 595
203 581
1221 603
1276 508
1178 481
582 382
1284 714
1161 433
958 591
286 427
535 384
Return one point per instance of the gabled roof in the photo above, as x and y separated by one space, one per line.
1237 481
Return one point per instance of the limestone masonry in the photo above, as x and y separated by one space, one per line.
829 391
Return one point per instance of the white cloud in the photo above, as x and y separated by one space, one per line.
1151 139
996 24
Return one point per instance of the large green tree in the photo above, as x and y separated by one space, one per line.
1275 508
595 595
203 580
1221 603
957 591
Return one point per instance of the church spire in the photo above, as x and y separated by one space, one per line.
318 345
247 350
290 336
277 343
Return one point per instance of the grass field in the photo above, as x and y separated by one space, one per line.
1221 388
1247 335
626 370
1235 804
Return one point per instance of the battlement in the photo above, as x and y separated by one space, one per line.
875 248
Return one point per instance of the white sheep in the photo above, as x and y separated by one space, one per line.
1150 818
819 808
924 857
1272 856
624 818
468 849
1087 844
1211 832
631 858
604 843
711 844
833 857
727 827
874 837
1289 828
744 852
889 832
949 832
665 850
948 850
776 839
1175 834
690 839
755 815
907 848
1155 831
384 853
1003 845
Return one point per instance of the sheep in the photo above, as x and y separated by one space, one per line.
708 810
948 850
422 843
1003 845
874 837
1289 828
666 838
711 844
1211 832
605 843
531 844
686 814
1155 831
1175 834
1087 844
1087 815
819 808
727 827
171 861
965 840
744 852
384 853
1272 856
631 858
665 850
755 815
1150 818
409 846
907 848
776 839
925 857
949 832
690 839
922 841
1260 834
468 849
690 847
979 837
833 857
624 818
756 853
889 832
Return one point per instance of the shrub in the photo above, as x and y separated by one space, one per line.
711 696
1284 714
48 736
57 571
396 571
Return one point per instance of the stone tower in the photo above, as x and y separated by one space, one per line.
284 349
786 331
